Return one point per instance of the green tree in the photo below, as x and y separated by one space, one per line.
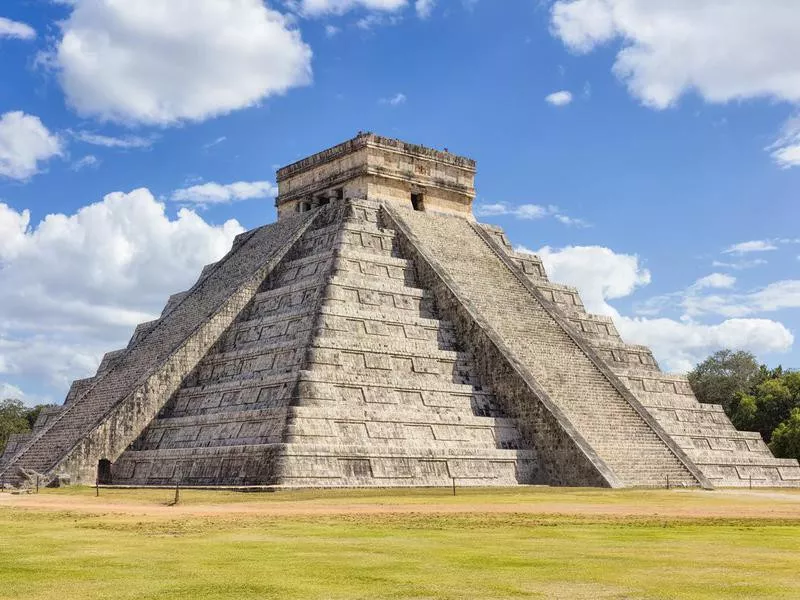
775 400
725 376
13 419
786 437
743 412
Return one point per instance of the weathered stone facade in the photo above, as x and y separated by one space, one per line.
361 342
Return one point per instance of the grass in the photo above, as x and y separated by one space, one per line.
515 543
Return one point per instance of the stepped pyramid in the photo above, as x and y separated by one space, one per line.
376 335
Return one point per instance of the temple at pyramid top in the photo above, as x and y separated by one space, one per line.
371 166
367 338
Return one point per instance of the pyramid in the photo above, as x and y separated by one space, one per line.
377 335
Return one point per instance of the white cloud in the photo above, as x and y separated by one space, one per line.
527 212
396 100
601 275
215 142
10 392
15 29
785 150
216 193
424 8
739 265
73 287
126 142
561 98
751 246
88 161
681 345
331 30
722 49
25 143
715 280
162 63
320 7
373 20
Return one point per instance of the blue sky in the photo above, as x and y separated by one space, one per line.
649 150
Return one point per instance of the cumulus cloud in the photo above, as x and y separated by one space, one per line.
8 391
15 29
715 280
73 287
527 212
217 193
561 98
601 275
722 49
162 63
25 143
680 345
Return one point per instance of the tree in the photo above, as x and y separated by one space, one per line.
725 376
13 419
786 437
775 399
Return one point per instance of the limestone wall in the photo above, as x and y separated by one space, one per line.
370 166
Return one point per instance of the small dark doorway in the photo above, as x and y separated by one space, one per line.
417 202
104 472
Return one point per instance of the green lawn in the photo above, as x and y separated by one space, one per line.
92 551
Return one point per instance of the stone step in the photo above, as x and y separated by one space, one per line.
316 265
293 324
218 465
625 438
376 294
369 263
594 326
245 394
408 414
230 428
720 443
655 383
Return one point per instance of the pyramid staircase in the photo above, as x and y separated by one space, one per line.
725 455
363 344
339 373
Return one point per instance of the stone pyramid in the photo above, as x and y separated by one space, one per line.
376 335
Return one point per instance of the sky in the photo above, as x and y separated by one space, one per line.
647 150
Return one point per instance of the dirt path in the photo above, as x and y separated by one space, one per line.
720 504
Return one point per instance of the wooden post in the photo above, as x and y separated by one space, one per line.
454 486
667 481
177 493
97 487
37 483
751 482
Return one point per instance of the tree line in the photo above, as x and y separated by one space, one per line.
755 397
15 417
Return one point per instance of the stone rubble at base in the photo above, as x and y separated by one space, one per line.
360 342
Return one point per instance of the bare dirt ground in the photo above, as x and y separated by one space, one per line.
735 504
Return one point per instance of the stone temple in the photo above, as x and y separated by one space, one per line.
377 335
